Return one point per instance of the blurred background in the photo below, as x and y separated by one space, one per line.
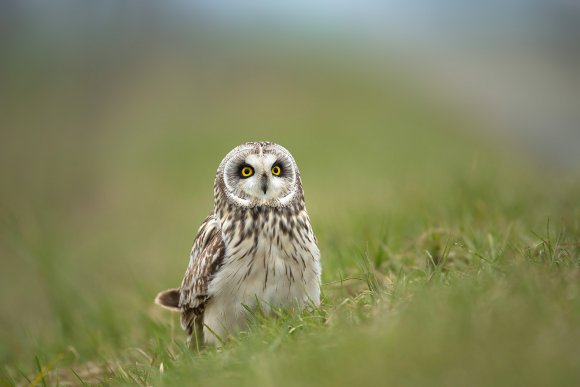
115 115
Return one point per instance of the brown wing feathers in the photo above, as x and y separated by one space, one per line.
206 258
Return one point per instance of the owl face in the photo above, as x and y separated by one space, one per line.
259 173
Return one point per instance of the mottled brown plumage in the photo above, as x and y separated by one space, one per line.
256 246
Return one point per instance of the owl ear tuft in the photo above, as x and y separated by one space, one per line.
168 299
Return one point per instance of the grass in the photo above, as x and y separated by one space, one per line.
447 261
505 314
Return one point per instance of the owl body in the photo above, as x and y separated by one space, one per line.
257 247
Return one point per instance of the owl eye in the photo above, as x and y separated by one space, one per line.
276 170
247 171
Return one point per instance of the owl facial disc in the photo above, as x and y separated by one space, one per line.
259 173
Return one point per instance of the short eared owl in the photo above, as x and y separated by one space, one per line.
257 246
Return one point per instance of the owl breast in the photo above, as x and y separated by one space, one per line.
272 259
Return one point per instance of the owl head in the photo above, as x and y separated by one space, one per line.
259 174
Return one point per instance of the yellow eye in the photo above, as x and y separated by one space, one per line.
276 170
247 171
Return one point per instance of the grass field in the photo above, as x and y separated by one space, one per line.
449 258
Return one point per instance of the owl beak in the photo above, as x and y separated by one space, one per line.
264 184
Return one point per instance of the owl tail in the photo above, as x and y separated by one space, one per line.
168 299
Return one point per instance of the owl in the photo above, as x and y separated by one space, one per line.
256 249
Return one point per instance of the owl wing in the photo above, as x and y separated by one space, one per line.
205 260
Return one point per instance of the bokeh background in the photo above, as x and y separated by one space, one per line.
115 115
